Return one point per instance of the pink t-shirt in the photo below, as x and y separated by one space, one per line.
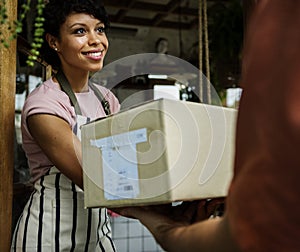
48 98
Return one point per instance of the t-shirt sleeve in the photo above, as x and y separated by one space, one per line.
47 100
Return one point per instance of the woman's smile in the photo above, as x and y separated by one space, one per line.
94 55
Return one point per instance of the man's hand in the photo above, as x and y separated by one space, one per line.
166 222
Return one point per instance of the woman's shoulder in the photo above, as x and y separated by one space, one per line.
48 89
47 98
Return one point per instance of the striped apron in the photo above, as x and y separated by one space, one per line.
54 218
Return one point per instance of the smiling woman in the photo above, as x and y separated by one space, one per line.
82 43
54 217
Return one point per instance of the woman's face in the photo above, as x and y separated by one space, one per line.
83 43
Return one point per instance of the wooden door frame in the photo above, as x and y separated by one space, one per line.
7 128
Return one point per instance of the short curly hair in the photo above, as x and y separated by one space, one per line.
56 13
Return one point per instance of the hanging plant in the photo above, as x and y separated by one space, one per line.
16 27
38 34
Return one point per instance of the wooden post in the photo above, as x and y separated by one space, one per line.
7 111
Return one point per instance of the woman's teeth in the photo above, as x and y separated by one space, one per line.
94 54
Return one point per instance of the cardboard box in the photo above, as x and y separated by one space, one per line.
158 152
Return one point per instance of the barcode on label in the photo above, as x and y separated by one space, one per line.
128 188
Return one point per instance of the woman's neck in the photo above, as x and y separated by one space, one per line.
78 80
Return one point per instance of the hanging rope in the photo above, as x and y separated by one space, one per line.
203 31
200 52
206 51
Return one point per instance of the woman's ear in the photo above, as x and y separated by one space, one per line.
52 41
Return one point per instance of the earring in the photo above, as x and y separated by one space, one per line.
55 49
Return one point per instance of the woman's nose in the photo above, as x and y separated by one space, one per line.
94 38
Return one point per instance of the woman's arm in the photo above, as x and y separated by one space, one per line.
59 143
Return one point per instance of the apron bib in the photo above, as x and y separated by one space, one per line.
54 218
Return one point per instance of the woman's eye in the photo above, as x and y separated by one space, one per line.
101 29
79 31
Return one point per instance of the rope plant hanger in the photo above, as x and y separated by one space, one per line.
203 32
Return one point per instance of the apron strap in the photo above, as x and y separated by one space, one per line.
105 103
66 87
